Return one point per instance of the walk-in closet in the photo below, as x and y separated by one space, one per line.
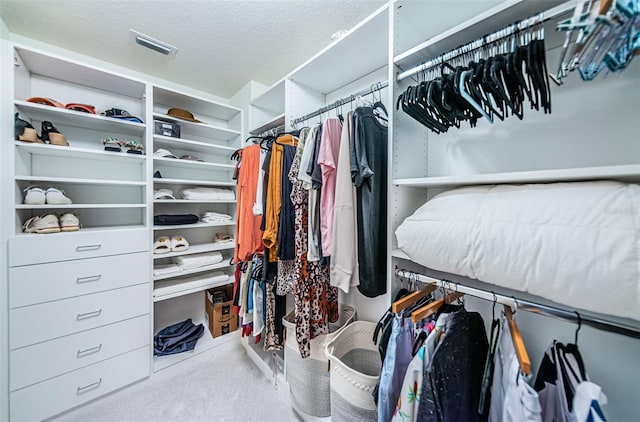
320 211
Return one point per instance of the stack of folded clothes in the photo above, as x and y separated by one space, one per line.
214 217
208 194
177 338
187 262
174 219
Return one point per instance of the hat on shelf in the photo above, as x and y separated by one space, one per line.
118 113
182 114
45 101
163 194
164 153
191 158
86 108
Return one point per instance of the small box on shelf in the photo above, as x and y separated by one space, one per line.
166 128
219 306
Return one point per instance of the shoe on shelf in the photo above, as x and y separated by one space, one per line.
34 195
57 197
112 144
23 131
69 222
157 175
134 147
51 135
179 244
162 245
45 224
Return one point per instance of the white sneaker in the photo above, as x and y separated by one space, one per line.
47 224
34 195
56 197
69 222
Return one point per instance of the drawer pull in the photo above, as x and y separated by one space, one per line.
87 248
88 279
90 351
89 387
87 315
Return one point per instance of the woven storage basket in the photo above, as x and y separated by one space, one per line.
309 378
355 367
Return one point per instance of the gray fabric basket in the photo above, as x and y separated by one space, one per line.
355 368
308 378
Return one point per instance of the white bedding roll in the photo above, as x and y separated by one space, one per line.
573 243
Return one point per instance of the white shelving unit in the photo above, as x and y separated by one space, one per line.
266 111
213 140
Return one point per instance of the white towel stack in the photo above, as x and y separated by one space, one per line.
208 194
214 217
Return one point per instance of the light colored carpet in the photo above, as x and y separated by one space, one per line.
224 386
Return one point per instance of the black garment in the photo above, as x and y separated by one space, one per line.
286 229
265 182
314 170
177 338
453 378
174 219
368 146
269 269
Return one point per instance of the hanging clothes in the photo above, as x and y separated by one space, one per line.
248 233
258 206
286 232
344 245
314 250
369 174
327 161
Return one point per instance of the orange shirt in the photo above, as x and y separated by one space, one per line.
248 233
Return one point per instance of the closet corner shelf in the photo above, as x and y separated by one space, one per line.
78 181
187 182
629 172
198 248
196 225
203 130
399 253
64 117
172 162
181 287
83 153
505 13
273 123
189 145
223 264
170 98
78 206
189 201
206 343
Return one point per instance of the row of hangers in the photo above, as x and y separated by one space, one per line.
485 79
265 140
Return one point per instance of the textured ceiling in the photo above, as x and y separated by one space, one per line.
221 44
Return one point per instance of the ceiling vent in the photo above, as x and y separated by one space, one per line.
152 43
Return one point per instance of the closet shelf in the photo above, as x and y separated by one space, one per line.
206 342
199 248
493 19
271 124
162 181
172 162
72 180
189 145
96 230
189 201
196 225
199 105
272 99
314 72
83 153
202 130
78 206
64 117
629 172
223 264
187 286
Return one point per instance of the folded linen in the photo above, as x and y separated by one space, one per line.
189 262
212 217
166 269
211 194
175 285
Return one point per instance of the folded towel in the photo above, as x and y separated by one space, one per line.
167 287
214 217
211 194
166 269
189 262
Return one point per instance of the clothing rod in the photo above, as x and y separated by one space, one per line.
374 87
525 305
479 42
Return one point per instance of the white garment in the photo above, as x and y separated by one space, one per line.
257 205
344 249
313 227
307 156
208 194
258 315
166 269
512 399
214 217
587 402
188 262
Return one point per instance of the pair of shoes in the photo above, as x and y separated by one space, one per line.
114 145
164 244
223 238
50 223
35 195
25 132
51 135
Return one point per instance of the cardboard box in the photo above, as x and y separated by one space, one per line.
166 128
221 317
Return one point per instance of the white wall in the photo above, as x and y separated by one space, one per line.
242 98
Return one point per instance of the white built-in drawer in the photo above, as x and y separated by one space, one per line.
40 283
56 395
41 248
30 365
33 324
